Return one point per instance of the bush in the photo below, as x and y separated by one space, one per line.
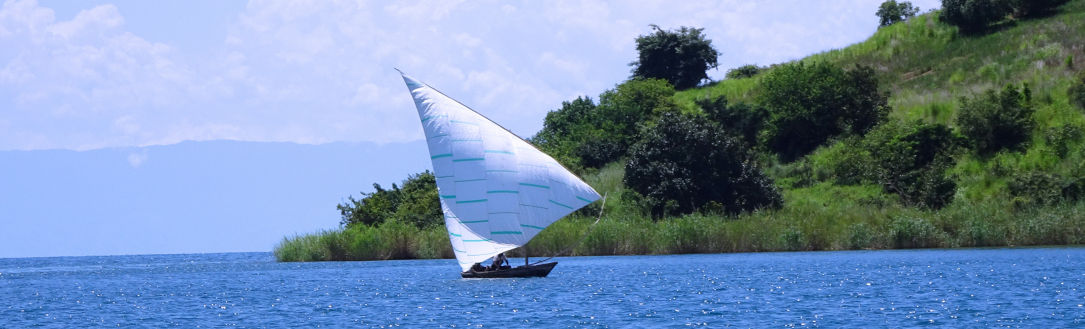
1076 92
1025 8
1040 188
908 232
739 120
809 104
860 236
565 129
683 163
417 203
892 12
911 159
742 72
973 16
681 57
995 121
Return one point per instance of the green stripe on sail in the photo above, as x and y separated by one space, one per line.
473 221
473 201
435 136
583 199
455 235
429 117
532 226
464 122
533 206
506 232
554 202
467 159
535 185
442 155
470 180
447 196
478 240
504 213
502 191
499 152
459 251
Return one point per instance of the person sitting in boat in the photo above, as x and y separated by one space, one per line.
499 260
478 267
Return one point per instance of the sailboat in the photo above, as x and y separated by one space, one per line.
497 191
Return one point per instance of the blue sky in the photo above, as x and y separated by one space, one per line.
91 74
121 83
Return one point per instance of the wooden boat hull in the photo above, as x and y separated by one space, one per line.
527 271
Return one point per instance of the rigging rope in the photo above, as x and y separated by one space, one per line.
585 236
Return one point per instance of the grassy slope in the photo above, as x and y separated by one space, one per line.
926 67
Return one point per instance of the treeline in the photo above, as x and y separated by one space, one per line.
669 154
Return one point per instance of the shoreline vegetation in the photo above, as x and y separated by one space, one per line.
822 222
926 135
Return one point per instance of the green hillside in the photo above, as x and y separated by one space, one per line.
1013 197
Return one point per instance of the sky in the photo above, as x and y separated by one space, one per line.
102 100
84 75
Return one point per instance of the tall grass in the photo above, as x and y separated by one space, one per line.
836 225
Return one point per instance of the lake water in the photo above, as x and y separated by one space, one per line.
1039 287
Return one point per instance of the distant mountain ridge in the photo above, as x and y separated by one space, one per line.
191 197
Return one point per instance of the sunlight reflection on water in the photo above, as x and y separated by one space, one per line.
1038 287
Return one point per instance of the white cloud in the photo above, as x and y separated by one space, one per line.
321 71
137 159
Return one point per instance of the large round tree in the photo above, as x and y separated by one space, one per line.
681 57
683 164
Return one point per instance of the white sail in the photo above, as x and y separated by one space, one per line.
497 191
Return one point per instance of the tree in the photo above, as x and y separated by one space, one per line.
911 160
683 164
1076 92
623 110
892 12
973 16
1027 8
681 57
417 202
566 129
742 72
809 104
740 120
995 121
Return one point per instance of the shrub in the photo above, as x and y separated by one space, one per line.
417 203
565 129
973 16
682 163
621 113
1076 92
860 236
739 120
1040 188
809 104
742 72
906 232
1062 138
911 159
892 12
681 57
995 121
1025 8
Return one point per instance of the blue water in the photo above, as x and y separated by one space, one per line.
1042 287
